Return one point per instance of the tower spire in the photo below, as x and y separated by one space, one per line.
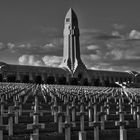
71 52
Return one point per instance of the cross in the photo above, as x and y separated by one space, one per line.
73 112
102 114
60 115
36 125
121 123
95 123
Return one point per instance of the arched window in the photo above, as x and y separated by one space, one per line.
50 80
25 79
1 78
11 78
62 80
38 79
80 76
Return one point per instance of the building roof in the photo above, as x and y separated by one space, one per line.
34 69
107 71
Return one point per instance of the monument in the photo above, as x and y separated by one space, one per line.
71 47
71 66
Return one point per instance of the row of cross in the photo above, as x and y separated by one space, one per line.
66 104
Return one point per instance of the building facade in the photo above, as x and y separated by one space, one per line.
71 71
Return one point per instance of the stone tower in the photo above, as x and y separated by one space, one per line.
71 49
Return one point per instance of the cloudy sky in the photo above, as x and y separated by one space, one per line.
31 32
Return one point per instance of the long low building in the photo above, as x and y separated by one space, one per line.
71 71
55 75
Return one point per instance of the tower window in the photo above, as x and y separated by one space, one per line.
67 19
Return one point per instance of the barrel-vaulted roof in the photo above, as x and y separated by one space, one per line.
107 72
34 69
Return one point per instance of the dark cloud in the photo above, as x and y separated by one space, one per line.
111 52
107 37
51 46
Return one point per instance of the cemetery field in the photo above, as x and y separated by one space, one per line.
51 112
